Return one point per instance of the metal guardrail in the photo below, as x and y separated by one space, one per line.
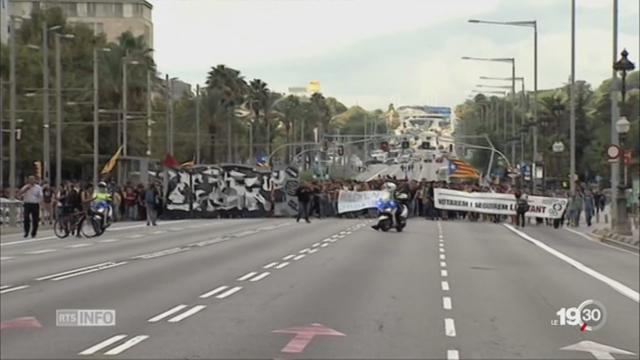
10 212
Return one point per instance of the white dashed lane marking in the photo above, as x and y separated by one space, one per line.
453 355
442 257
324 245
444 273
288 257
129 343
78 245
316 244
167 313
13 289
229 292
446 302
43 251
108 240
443 264
4 258
103 344
187 313
260 277
445 285
246 276
449 327
299 257
270 265
313 251
280 266
214 291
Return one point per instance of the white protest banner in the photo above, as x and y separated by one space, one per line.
357 200
499 204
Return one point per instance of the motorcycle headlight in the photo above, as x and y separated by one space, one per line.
386 196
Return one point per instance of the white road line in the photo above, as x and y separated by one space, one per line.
313 251
43 251
158 232
246 276
304 251
299 257
176 229
167 313
4 287
135 236
3 258
588 237
443 264
127 344
260 277
27 241
444 285
335 236
78 245
616 285
453 355
70 271
340 236
88 271
213 292
316 244
441 245
103 344
14 289
446 302
288 257
442 257
444 273
327 239
245 233
449 327
108 240
229 292
270 265
441 250
281 265
324 245
187 313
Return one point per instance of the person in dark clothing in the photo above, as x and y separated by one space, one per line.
31 195
304 194
522 206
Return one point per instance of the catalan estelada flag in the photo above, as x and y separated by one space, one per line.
108 167
461 169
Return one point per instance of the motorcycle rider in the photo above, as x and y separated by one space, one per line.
390 189
100 197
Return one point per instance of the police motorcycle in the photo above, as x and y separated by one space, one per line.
391 213
101 212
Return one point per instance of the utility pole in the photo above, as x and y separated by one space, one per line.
12 111
124 105
96 131
572 114
513 111
615 114
1 133
535 104
197 123
167 116
46 123
149 112
58 113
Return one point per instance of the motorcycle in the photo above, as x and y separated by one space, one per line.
101 217
388 210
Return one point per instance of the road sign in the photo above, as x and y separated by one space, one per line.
613 152
304 335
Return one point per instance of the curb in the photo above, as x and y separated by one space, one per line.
610 241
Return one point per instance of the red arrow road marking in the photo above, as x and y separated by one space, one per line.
21 323
304 335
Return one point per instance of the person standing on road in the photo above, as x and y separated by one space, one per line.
589 206
151 203
304 194
31 194
522 206
47 203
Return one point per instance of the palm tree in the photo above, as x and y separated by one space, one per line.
233 90
257 99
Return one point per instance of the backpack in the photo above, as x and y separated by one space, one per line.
523 206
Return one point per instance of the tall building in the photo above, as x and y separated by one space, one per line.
111 17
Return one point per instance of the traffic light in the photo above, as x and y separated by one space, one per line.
405 144
18 134
425 145
341 150
37 169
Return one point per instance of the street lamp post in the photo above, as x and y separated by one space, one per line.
572 106
558 148
46 121
96 114
534 25
513 94
59 107
622 225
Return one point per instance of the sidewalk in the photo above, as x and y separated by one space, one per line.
603 232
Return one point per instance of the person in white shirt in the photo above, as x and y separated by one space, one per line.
31 195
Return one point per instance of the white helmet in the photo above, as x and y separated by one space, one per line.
102 184
389 186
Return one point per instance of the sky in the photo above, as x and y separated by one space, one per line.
375 52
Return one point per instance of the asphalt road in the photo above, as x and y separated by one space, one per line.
421 171
272 288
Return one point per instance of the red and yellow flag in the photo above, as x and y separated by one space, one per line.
108 167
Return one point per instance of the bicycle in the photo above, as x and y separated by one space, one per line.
68 223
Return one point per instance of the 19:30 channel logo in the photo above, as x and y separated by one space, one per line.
589 316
